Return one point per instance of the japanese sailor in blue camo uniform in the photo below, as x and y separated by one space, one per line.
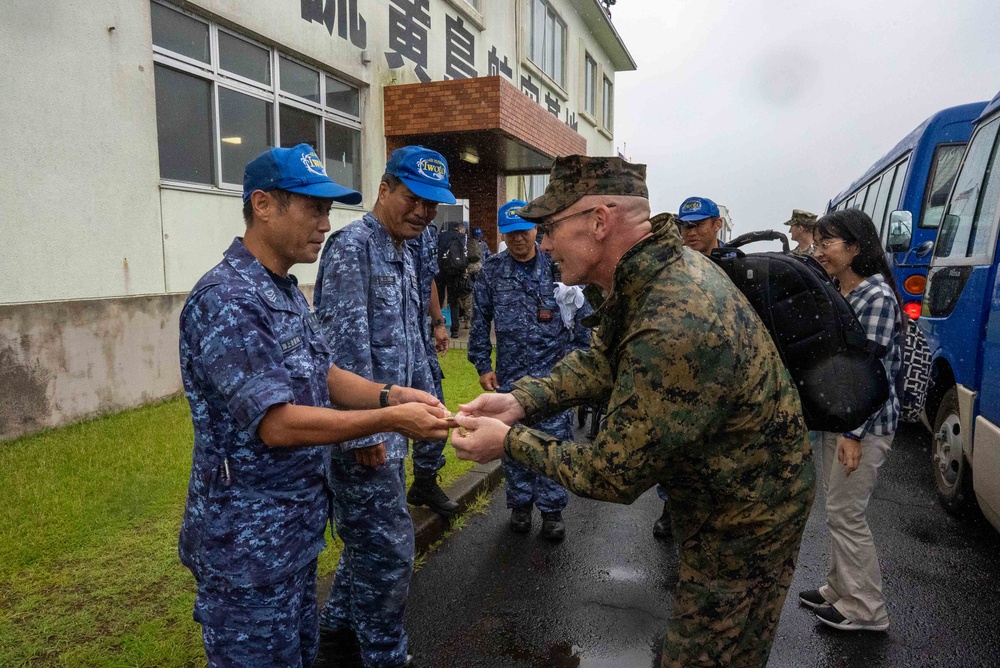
368 302
516 294
259 378
428 457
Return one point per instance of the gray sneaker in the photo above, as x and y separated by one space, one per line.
830 616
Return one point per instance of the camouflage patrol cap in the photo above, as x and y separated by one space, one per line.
803 218
575 176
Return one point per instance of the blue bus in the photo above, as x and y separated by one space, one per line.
904 193
961 322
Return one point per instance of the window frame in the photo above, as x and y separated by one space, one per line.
558 79
218 78
607 103
590 76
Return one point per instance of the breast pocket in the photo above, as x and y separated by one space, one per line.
299 362
508 310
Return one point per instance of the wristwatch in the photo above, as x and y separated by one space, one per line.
383 396
438 322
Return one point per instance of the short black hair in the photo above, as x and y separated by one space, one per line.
283 197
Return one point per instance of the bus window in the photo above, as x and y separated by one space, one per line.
960 234
944 167
869 207
898 176
859 203
850 203
878 213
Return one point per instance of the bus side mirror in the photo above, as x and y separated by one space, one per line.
900 231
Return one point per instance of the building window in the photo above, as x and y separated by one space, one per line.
548 40
607 117
534 186
222 99
590 85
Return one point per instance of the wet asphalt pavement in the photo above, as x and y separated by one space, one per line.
490 597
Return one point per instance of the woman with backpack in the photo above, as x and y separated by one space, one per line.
848 247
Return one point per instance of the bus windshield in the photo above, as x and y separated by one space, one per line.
947 158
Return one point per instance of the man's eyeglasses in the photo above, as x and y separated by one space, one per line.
547 227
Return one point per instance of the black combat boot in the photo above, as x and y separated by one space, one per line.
661 528
520 518
338 648
425 491
552 526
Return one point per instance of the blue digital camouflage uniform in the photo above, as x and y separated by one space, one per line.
255 516
428 456
700 401
509 298
368 302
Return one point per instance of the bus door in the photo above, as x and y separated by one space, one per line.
962 298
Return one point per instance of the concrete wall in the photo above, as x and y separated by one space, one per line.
66 360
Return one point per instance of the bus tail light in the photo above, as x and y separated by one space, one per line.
912 309
915 284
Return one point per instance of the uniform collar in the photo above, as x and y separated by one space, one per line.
383 240
510 266
253 272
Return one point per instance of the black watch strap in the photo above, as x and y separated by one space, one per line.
438 322
383 396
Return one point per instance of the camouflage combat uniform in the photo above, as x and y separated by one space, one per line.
698 400
255 516
368 302
510 299
428 456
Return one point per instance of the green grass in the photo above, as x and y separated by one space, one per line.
89 574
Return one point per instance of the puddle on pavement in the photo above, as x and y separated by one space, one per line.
619 574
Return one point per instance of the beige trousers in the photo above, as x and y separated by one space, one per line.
854 583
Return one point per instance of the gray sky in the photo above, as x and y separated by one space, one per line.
769 105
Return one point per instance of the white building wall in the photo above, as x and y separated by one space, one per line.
79 205
97 254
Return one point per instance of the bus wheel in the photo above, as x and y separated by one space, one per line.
951 471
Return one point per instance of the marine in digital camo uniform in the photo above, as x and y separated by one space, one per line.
698 400
428 456
368 302
515 294
256 371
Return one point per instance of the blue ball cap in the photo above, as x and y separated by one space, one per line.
509 221
423 171
298 170
476 232
697 208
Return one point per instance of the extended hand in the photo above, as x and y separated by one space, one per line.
503 407
373 455
483 438
488 381
404 395
420 421
848 454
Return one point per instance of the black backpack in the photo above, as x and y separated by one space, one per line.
454 257
837 370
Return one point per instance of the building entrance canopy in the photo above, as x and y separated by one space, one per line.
487 130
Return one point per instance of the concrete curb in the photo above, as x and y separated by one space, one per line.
428 526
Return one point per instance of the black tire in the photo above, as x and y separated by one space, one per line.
952 473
